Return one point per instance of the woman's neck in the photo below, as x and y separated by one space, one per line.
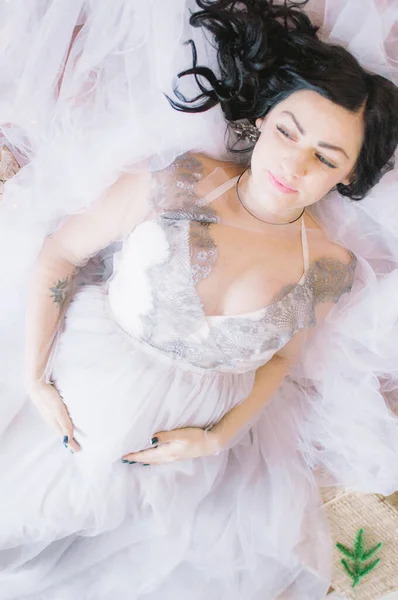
251 203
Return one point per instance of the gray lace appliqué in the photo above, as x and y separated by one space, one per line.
185 220
329 279
325 281
174 199
173 187
204 252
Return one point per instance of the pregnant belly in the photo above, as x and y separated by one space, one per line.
119 394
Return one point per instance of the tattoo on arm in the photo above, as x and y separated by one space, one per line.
60 291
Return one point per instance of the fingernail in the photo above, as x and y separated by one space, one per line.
124 460
66 439
66 446
145 465
155 440
133 462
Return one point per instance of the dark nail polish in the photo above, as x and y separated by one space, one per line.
66 439
66 446
155 440
146 465
133 462
124 460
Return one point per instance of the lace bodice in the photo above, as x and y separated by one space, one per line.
153 296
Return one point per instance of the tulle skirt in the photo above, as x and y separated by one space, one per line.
245 523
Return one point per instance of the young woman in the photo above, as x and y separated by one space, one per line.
177 382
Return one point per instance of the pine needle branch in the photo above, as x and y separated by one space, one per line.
358 545
369 567
356 569
346 551
371 552
347 568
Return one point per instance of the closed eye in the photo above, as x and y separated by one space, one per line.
325 162
321 158
284 132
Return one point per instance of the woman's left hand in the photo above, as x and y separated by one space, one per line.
176 445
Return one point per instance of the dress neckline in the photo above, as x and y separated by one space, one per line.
211 197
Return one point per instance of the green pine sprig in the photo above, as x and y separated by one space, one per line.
356 569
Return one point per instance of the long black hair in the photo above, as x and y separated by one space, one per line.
265 52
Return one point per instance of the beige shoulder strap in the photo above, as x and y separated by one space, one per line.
221 189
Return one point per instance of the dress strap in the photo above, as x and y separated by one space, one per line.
227 185
304 241
221 189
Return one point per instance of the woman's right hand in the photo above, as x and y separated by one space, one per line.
52 408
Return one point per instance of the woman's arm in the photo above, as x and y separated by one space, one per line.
267 380
52 285
78 239
192 442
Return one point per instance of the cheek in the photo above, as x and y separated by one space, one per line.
317 187
265 152
319 183
261 150
330 180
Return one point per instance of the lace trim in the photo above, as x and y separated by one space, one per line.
174 199
204 252
329 279
191 256
175 308
173 187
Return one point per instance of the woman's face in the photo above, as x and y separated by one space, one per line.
308 144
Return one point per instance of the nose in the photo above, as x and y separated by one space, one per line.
294 165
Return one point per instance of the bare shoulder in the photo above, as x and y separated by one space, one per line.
336 252
333 267
210 164
128 181
131 185
322 247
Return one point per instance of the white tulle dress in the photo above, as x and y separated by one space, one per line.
137 353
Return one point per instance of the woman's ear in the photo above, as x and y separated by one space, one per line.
259 122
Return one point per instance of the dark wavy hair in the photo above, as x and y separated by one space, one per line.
265 52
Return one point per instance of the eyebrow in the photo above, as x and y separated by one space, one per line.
321 144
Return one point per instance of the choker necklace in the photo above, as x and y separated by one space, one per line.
249 211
